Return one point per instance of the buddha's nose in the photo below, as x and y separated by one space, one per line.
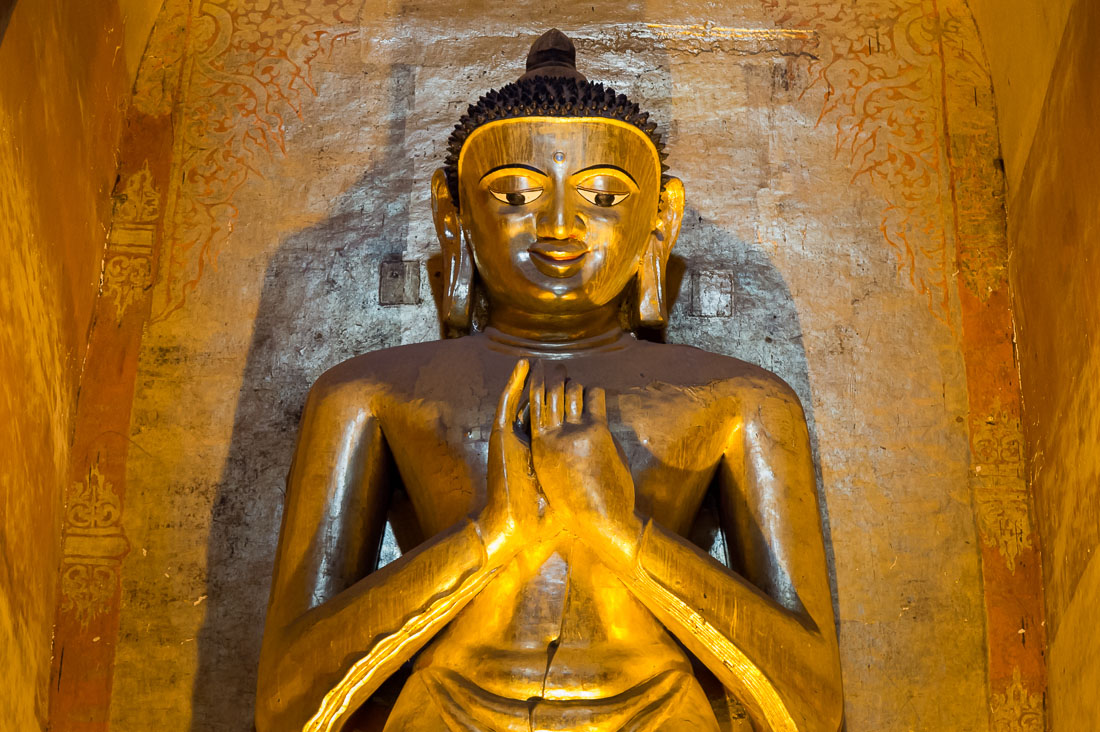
559 220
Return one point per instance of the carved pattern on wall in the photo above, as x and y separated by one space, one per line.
1016 710
249 63
93 546
128 267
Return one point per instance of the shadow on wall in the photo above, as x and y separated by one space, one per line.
316 310
320 306
6 8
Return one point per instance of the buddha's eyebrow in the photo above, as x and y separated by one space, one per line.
612 167
532 168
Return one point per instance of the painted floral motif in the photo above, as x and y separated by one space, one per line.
93 547
139 201
251 63
125 277
93 503
880 72
1003 516
997 442
87 590
1016 710
128 267
977 179
1000 492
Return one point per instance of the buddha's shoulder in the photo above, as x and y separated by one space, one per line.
692 367
395 368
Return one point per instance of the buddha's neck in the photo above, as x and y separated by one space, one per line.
557 332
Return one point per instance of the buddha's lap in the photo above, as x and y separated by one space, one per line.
436 700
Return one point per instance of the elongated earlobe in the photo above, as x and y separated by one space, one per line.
458 262
652 305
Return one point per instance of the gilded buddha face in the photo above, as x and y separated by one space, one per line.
559 213
558 210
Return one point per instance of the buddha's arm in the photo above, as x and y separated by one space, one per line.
335 631
769 636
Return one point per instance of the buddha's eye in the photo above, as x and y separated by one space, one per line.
517 198
602 198
515 190
604 189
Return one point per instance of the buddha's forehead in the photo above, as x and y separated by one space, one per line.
576 142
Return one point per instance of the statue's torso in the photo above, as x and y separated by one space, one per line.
556 624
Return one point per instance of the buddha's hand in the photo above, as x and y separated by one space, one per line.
580 467
511 512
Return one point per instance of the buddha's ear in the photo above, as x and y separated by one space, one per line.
652 306
458 263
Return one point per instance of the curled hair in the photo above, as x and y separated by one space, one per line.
547 96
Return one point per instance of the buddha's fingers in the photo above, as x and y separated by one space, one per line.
574 402
510 398
595 404
537 399
555 396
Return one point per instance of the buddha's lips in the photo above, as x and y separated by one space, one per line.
559 250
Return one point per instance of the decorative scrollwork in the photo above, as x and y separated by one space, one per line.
139 201
998 443
253 61
1016 710
880 72
1003 516
87 590
93 546
93 503
125 277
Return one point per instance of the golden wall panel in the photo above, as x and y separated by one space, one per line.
1053 225
61 90
1021 39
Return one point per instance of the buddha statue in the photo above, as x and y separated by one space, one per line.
546 470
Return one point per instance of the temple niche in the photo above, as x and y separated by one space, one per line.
887 206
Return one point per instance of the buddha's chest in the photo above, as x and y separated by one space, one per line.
673 439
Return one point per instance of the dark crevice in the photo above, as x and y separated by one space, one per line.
6 7
552 646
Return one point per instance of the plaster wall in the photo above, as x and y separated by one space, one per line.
1054 226
1021 39
62 87
138 17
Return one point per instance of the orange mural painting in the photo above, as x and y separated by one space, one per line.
879 76
247 66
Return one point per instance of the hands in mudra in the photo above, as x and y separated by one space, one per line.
569 473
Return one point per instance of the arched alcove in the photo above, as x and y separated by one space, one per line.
270 218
